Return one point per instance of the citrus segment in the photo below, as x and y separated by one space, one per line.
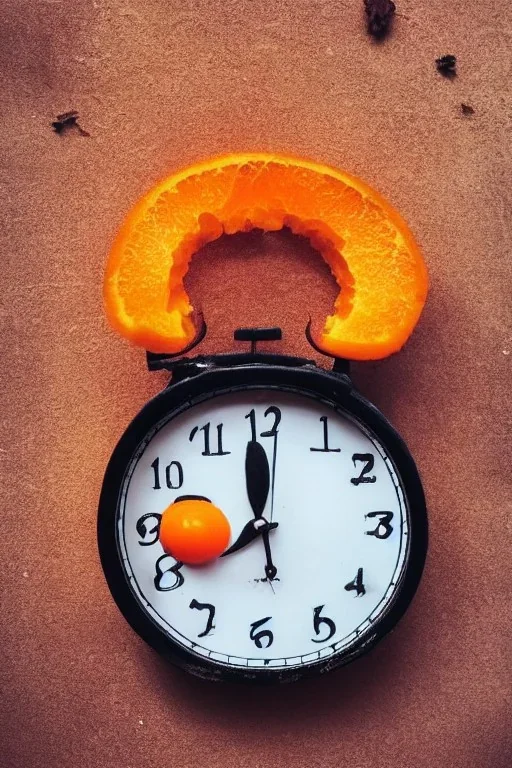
368 247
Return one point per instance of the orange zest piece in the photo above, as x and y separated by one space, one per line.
194 531
367 245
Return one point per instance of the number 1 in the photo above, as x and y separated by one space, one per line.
326 448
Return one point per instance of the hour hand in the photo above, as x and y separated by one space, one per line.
257 477
250 531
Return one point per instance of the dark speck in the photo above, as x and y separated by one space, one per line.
380 15
68 121
446 65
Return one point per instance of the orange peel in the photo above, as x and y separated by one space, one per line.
370 250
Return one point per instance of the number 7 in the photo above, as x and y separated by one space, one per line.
211 614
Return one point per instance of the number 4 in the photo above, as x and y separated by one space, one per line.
357 584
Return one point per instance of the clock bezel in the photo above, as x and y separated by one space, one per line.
207 378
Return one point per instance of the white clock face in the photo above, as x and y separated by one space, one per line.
339 549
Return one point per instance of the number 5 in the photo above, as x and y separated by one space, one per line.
317 623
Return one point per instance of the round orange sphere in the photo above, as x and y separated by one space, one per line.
194 531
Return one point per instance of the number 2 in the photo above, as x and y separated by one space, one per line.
369 462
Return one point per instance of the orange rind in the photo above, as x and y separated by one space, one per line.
370 250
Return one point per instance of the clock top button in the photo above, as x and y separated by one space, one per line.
194 531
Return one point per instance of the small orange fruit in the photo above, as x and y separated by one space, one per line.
369 248
194 531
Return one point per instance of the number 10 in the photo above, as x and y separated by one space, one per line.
178 475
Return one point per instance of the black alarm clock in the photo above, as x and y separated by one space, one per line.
324 504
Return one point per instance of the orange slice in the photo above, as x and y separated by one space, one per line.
371 252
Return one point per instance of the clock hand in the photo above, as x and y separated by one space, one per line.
257 474
270 569
257 477
273 482
250 531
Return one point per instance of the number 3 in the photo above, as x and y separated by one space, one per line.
384 528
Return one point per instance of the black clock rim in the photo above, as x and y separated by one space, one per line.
308 380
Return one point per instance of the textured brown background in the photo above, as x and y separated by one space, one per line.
160 83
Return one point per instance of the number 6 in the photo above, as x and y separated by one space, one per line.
266 634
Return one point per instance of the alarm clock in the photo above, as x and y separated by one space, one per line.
323 524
